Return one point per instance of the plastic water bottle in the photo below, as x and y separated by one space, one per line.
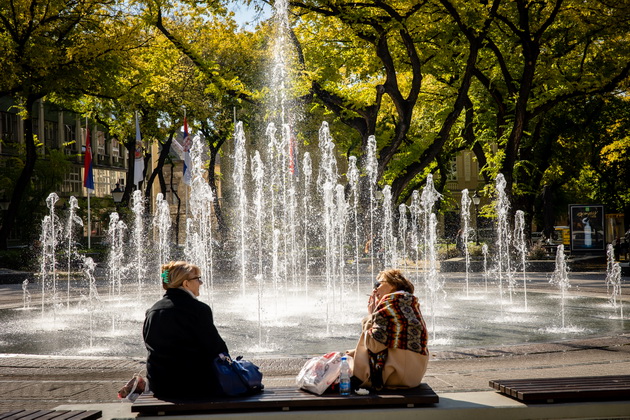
344 377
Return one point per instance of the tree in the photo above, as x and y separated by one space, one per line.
593 131
48 174
50 48
399 71
539 55
209 73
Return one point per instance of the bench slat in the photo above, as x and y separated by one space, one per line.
287 399
580 379
30 415
51 415
82 415
18 414
569 388
9 414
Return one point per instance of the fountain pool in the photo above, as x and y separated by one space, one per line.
293 323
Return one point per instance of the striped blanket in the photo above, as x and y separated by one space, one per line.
398 323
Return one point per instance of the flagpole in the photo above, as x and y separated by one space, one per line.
88 194
187 186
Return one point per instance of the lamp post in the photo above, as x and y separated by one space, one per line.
476 200
117 195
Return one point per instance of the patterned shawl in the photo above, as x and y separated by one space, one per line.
397 323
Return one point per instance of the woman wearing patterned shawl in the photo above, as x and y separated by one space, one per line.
392 351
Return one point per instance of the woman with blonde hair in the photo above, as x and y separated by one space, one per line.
392 351
181 338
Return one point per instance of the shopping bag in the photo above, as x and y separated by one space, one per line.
320 372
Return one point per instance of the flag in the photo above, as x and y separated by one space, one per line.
186 146
88 174
138 166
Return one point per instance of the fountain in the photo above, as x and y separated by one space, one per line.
48 240
503 256
296 255
402 234
71 250
613 280
272 311
484 251
353 181
521 247
465 230
560 278
138 239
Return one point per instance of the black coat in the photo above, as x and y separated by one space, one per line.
182 342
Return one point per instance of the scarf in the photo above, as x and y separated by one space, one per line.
398 324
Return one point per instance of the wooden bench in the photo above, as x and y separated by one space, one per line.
587 388
285 399
51 415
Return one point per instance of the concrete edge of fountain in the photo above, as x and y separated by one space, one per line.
557 346
489 405
458 264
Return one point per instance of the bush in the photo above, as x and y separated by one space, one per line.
447 251
21 259
537 252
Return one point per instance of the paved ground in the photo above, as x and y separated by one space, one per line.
39 382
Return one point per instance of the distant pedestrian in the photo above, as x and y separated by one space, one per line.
459 241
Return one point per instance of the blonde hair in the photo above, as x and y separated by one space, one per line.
396 279
175 272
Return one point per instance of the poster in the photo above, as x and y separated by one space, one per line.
587 227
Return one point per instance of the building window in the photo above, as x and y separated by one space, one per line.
50 134
115 149
467 155
73 183
68 138
100 141
452 170
8 127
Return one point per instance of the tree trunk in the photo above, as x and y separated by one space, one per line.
548 212
25 176
158 170
131 151
222 226
215 141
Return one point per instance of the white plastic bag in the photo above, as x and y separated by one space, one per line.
320 372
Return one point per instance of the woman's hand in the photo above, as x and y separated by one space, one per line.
372 301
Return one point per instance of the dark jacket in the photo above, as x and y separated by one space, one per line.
182 342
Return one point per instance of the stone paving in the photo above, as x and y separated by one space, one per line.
41 382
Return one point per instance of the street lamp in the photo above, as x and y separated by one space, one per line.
476 200
117 194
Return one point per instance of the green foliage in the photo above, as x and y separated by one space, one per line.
540 105
19 259
50 172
